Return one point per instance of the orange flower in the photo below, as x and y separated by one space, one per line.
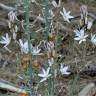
26 61
36 65
23 94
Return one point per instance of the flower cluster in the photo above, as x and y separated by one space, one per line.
12 23
25 49
12 16
23 46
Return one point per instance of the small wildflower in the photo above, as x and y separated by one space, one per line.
64 70
12 16
50 46
23 46
35 50
45 74
55 4
51 36
89 24
9 24
80 35
33 1
93 39
15 28
66 15
51 13
6 40
14 36
51 61
84 13
26 60
23 94
14 31
36 65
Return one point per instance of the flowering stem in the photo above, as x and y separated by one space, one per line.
27 30
75 86
47 26
46 14
51 84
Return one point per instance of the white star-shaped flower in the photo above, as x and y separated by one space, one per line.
23 46
45 74
54 3
64 70
36 50
80 35
66 15
93 39
5 40
12 16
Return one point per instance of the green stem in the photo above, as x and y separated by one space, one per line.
51 84
47 27
46 14
27 30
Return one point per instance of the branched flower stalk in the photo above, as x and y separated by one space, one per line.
82 55
27 30
47 27
82 48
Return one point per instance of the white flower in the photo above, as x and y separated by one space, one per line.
51 61
93 39
64 70
80 35
51 13
66 15
12 16
23 46
45 74
36 50
5 40
89 24
14 36
54 3
9 24
15 28
33 1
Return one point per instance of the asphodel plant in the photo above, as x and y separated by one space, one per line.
47 34
27 31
